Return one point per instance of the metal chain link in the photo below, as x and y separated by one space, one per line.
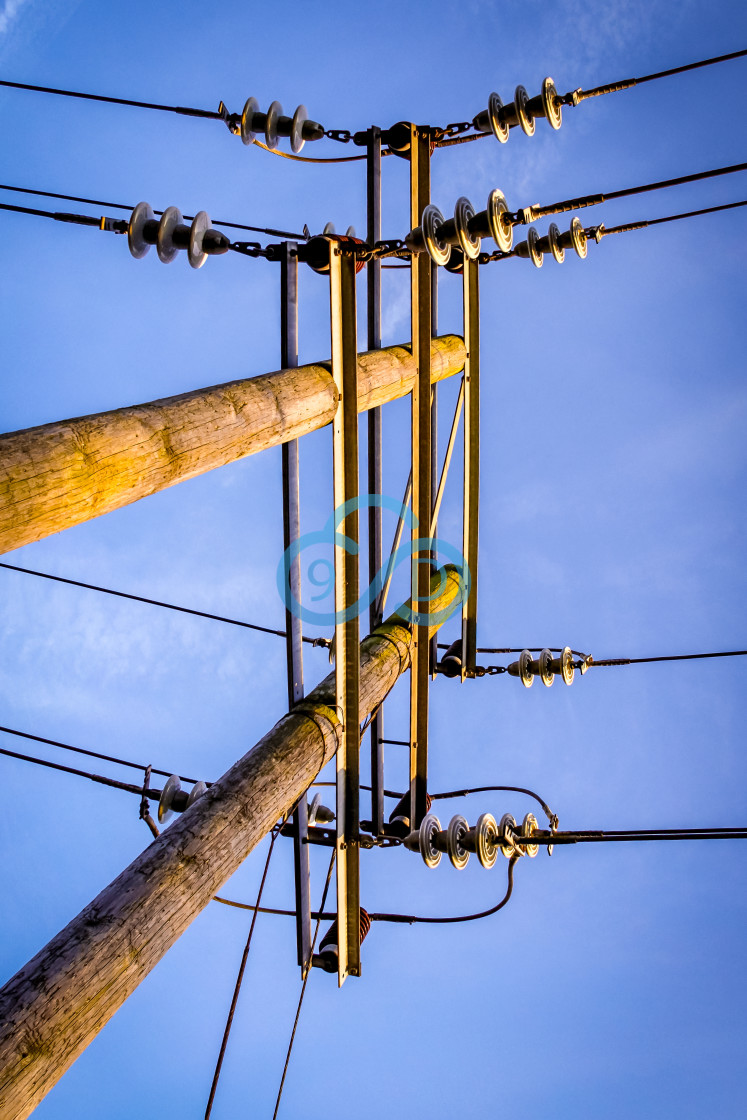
342 135
486 670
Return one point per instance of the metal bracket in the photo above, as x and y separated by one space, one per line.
347 638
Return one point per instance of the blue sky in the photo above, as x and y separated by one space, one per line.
613 459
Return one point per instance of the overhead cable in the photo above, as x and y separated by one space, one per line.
532 213
669 657
239 979
153 794
303 990
627 83
636 834
91 754
122 206
603 231
325 642
181 109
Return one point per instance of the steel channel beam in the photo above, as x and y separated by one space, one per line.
347 652
471 459
433 654
375 550
420 289
293 626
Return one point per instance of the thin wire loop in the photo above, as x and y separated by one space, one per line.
310 159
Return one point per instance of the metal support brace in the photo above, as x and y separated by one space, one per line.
375 550
420 288
293 642
347 650
447 457
471 458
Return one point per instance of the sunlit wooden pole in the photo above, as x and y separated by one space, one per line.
61 474
61 999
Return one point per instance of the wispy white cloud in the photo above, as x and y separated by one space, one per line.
9 12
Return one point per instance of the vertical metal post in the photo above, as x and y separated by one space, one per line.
433 655
420 288
347 653
293 642
471 458
375 550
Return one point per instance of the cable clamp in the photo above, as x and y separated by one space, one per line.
113 225
232 121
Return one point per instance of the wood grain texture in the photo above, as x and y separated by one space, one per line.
57 1003
61 474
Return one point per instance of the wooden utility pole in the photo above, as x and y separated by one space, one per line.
57 1003
61 474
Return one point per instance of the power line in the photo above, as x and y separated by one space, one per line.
239 979
603 663
603 231
618 836
123 206
303 991
126 786
181 109
325 642
91 754
531 213
114 225
627 83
